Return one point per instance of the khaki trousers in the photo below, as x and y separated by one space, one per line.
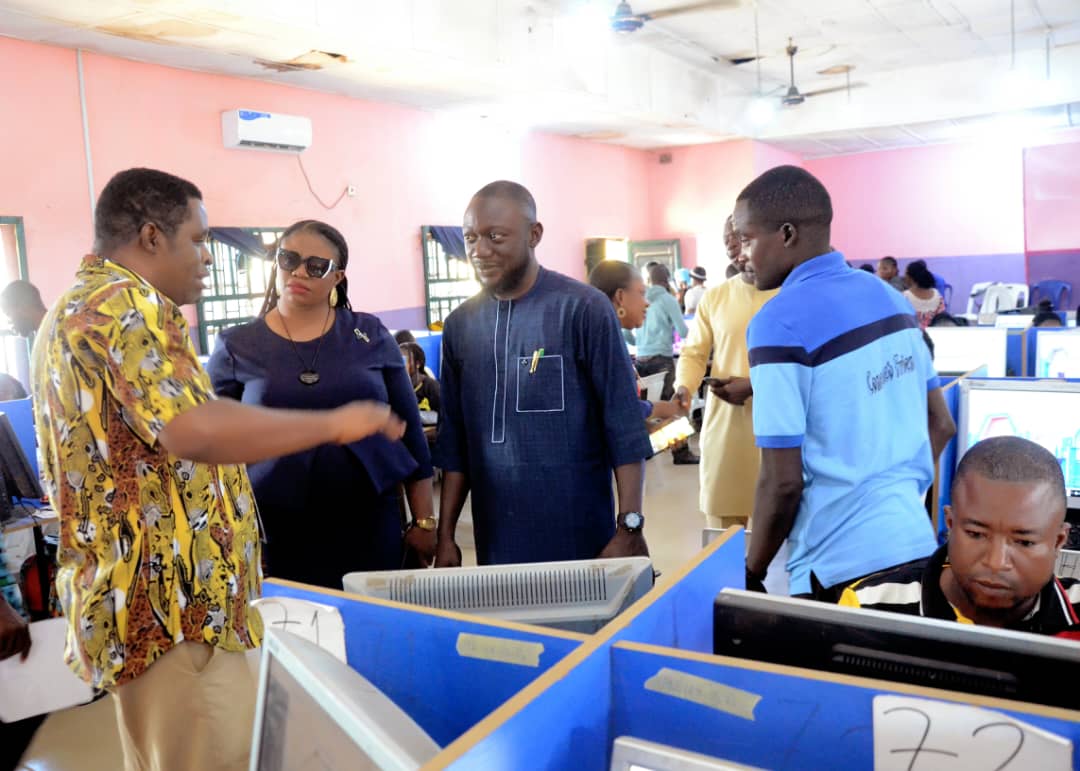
193 709
723 523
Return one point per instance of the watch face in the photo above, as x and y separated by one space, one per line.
632 520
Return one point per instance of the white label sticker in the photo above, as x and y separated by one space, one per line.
479 646
707 693
925 735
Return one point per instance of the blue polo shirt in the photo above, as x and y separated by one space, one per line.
840 369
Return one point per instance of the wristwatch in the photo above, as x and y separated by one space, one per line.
424 523
631 521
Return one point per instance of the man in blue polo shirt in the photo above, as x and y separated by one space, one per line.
847 408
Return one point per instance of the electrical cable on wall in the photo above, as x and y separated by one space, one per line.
315 195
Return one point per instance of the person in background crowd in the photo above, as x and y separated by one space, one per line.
697 291
622 283
682 286
655 342
21 303
310 350
866 267
539 405
922 293
159 536
1045 317
1006 528
426 387
730 460
848 503
888 272
14 641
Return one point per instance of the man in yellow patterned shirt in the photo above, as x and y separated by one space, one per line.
159 552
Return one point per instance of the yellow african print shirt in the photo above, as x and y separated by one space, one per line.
153 549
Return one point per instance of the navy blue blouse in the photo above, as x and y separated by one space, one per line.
358 360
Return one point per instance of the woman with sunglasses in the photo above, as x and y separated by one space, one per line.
334 509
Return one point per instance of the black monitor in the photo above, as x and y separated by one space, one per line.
897 647
18 473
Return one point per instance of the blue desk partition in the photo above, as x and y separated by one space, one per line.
432 345
804 720
947 462
20 414
565 710
780 718
411 655
1014 353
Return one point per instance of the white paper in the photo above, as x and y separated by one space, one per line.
315 622
912 733
43 683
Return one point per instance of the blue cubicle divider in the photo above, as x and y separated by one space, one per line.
20 414
801 720
1032 336
1014 353
432 345
572 701
412 655
947 462
681 617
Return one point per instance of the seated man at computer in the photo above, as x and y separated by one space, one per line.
1006 527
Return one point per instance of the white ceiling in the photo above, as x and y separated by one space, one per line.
932 67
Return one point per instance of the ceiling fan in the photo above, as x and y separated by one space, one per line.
793 97
624 19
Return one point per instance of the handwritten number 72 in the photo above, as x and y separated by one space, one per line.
922 749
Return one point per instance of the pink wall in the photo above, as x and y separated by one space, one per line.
1052 196
690 197
959 199
44 172
411 167
767 157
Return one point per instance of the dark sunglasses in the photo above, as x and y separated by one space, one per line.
315 267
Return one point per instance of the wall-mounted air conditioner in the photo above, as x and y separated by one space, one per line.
580 596
257 130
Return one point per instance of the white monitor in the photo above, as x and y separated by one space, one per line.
959 350
1014 320
632 754
1057 353
315 712
580 596
1040 410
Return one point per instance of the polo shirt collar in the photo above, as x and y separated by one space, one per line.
1048 616
830 262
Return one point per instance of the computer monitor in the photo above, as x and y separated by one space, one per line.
579 596
315 712
897 647
959 350
15 466
632 754
1057 353
1040 410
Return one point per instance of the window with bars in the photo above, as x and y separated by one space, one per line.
238 282
448 281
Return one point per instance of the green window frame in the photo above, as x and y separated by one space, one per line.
238 284
448 281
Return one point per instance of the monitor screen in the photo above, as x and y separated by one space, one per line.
15 466
1031 409
897 647
959 350
1057 354
315 712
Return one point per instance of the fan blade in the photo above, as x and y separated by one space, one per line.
834 89
678 10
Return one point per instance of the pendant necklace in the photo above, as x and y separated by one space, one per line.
308 375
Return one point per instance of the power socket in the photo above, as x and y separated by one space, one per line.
350 190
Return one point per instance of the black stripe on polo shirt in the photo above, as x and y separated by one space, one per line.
842 344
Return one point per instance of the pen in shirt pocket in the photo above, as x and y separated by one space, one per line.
536 360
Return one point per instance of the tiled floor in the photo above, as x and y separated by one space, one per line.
84 738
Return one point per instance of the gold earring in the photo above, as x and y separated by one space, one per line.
333 297
620 312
